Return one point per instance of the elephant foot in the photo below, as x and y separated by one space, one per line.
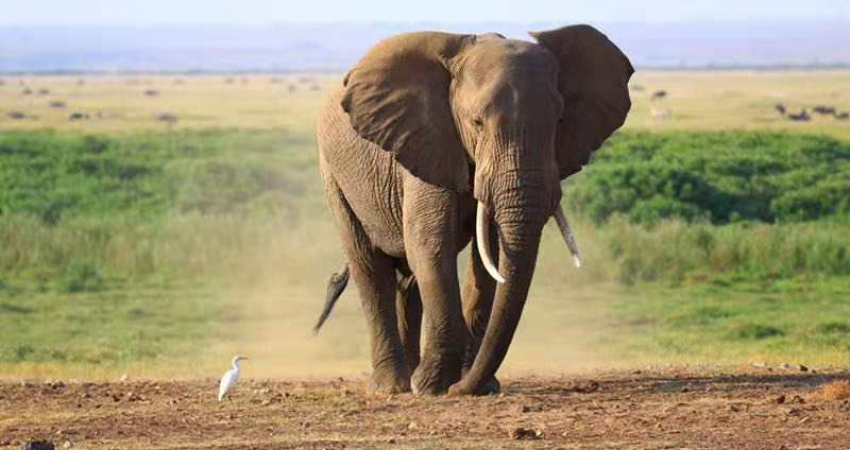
491 387
434 378
389 383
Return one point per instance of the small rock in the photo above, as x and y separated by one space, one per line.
412 426
124 377
784 366
587 387
779 400
798 399
67 444
524 434
734 408
803 368
38 445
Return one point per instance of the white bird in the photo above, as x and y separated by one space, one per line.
228 380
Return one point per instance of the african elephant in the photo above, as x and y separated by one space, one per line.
435 140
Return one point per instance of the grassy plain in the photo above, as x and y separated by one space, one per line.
128 244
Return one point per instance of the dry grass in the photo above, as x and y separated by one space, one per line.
695 100
836 390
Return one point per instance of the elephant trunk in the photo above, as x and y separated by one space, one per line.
520 225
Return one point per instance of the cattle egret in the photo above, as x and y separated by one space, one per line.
229 379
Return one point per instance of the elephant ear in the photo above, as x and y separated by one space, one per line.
593 80
397 96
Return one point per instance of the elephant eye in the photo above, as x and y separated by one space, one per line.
478 123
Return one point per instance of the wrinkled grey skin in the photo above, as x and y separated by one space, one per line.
422 129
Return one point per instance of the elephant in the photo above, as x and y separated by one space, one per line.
433 141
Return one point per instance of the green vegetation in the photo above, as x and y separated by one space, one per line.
140 247
738 320
717 177
54 176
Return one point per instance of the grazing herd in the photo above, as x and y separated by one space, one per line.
312 84
804 116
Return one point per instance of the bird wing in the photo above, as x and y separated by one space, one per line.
227 381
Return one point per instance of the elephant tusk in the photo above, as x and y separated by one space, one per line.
483 235
567 232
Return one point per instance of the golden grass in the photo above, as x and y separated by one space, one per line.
695 100
836 390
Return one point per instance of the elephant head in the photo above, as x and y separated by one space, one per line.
507 119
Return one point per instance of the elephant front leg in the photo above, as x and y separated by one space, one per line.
430 237
478 292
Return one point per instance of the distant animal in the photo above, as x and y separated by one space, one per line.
26 91
16 115
78 116
229 379
151 92
661 113
2 82
843 116
802 116
293 88
658 95
824 110
58 104
43 91
168 118
780 108
81 82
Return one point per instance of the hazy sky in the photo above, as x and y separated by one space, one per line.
147 12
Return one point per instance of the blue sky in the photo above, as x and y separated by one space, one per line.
258 12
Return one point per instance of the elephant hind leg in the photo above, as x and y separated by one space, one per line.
409 310
374 275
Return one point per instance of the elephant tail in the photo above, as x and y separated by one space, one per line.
336 285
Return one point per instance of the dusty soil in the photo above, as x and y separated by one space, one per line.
661 409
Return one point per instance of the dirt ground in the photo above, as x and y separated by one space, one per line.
674 408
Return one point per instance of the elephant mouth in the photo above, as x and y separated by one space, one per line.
482 223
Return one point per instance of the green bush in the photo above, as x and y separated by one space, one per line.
721 177
755 332
81 276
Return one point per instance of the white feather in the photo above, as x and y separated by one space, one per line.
229 379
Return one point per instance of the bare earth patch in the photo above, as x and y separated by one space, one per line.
672 408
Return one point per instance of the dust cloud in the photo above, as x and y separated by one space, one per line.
563 330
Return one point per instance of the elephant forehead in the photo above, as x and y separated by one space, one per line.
500 61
